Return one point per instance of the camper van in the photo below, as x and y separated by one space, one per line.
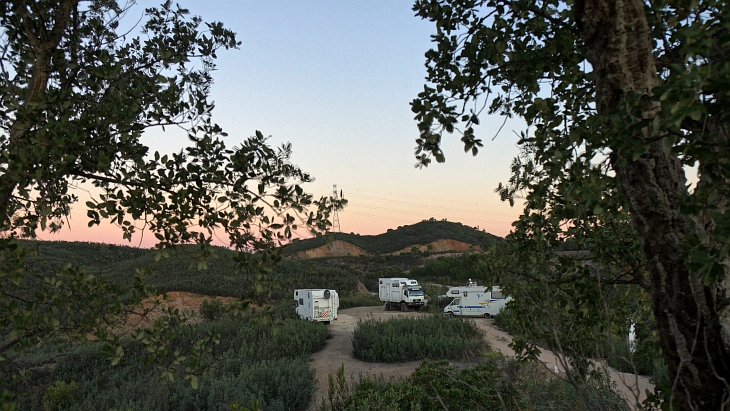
318 305
400 293
475 301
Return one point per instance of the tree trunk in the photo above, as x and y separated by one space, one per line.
43 40
616 34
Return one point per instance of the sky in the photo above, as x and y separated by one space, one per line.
335 78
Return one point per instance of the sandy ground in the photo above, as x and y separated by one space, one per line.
338 352
632 387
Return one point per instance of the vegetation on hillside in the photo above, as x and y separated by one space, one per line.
222 277
452 270
400 238
180 271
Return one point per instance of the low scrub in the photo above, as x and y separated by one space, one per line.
644 360
360 301
498 384
410 339
61 396
620 357
262 359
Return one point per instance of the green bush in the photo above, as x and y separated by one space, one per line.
496 384
360 301
258 358
503 319
61 396
622 359
370 395
410 339
615 350
211 310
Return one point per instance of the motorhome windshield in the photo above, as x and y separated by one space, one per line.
415 291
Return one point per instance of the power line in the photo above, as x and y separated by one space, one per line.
399 220
408 212
417 198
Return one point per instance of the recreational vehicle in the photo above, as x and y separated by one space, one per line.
475 301
318 305
401 293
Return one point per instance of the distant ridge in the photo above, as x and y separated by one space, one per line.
428 235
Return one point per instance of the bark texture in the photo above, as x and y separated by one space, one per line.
688 314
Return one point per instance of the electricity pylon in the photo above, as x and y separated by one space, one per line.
335 217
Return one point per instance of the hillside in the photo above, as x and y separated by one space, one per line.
359 257
179 272
402 239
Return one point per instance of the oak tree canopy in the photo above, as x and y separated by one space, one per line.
77 93
621 98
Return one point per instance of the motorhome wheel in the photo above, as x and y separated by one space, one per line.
487 316
403 307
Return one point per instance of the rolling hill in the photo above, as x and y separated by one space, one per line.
179 272
431 235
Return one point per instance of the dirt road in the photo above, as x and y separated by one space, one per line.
338 352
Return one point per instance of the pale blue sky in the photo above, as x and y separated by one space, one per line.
335 78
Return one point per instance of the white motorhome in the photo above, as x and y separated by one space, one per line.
400 293
475 301
318 305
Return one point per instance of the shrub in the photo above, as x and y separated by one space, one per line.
61 396
409 339
370 395
258 358
621 358
496 384
360 301
211 310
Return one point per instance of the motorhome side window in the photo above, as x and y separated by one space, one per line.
454 291
497 295
301 301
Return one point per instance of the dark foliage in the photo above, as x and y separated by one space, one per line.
497 384
408 339
360 301
181 271
255 360
451 270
